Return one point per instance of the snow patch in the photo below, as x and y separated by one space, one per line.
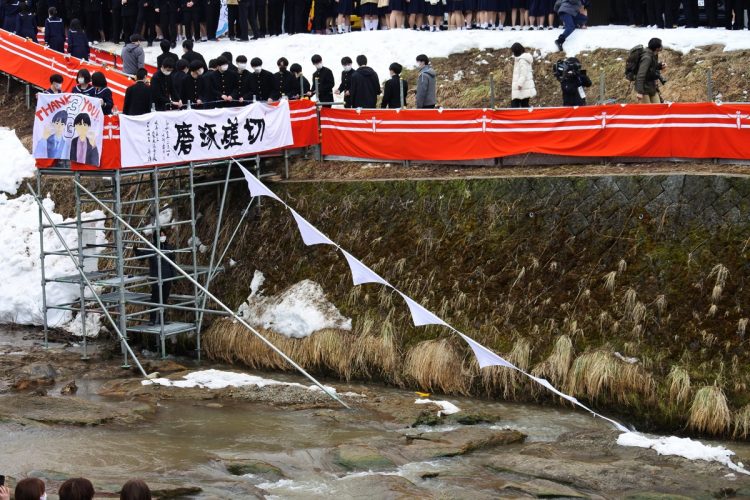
403 46
458 75
297 312
93 325
682 447
448 408
218 379
20 266
17 163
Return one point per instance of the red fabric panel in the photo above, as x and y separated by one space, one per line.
695 130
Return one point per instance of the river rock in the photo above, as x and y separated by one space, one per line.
543 488
381 487
361 457
69 388
67 411
429 445
33 375
255 467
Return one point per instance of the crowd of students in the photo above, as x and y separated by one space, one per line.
80 488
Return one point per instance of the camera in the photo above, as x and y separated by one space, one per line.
567 67
659 76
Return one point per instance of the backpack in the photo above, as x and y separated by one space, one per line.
632 62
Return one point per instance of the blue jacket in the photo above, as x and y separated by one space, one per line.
78 44
54 34
26 26
572 7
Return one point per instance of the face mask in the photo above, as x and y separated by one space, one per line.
43 497
162 239
347 68
257 69
200 71
241 66
167 72
81 80
420 65
224 67
56 86
319 65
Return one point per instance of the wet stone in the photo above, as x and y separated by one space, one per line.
361 457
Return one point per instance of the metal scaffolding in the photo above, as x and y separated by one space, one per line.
113 278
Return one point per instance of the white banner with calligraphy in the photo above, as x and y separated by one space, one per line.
68 127
193 134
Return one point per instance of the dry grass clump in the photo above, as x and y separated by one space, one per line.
437 365
709 412
229 341
742 423
600 374
328 350
376 354
557 365
506 381
679 385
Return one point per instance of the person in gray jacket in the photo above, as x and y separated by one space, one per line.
425 84
133 57
573 15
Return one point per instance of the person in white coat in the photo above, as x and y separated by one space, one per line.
523 77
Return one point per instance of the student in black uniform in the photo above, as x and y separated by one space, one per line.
54 31
168 13
283 80
129 15
154 266
138 95
301 86
261 82
212 9
145 23
84 83
194 88
323 82
101 91
116 22
191 55
26 23
165 45
223 84
191 19
10 9
78 42
365 85
55 84
391 91
243 79
346 81
163 95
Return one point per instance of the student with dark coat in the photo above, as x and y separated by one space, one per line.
129 14
194 88
138 95
101 91
116 35
190 55
154 268
92 10
83 86
212 10
10 8
346 81
323 82
163 95
165 45
283 80
228 56
190 10
26 23
261 82
223 84
243 79
301 85
365 86
55 84
78 42
168 13
179 75
391 92
54 31
146 19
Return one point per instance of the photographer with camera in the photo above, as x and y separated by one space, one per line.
648 75
573 81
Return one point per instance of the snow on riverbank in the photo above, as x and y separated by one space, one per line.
17 163
402 46
20 266
297 312
218 379
682 447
